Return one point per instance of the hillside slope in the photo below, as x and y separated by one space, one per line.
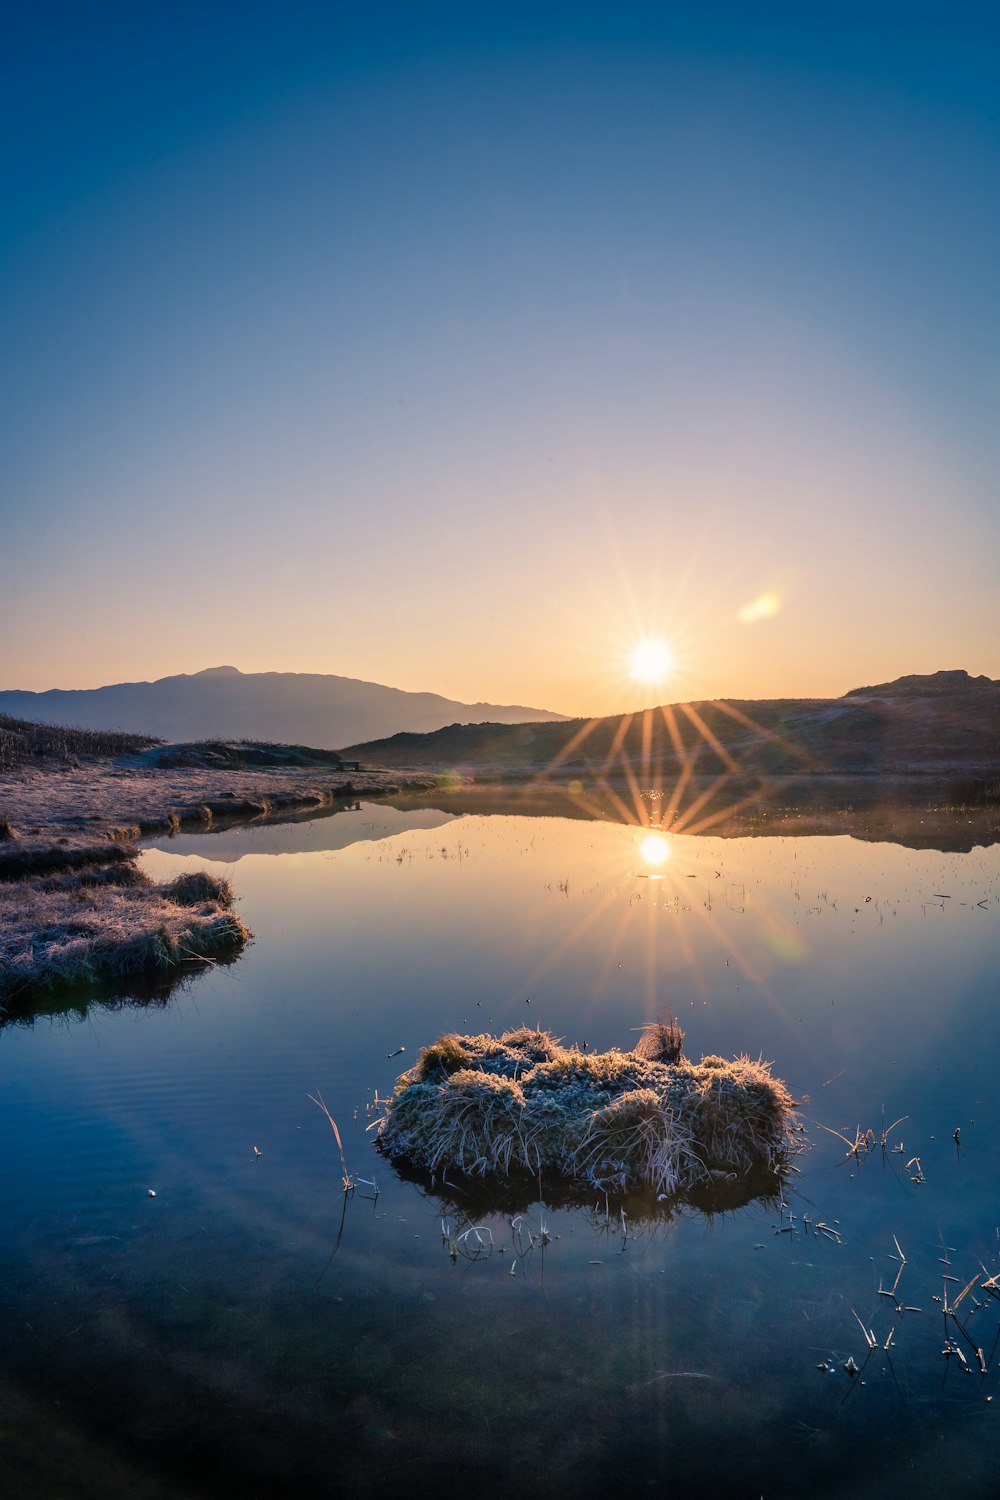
945 723
222 702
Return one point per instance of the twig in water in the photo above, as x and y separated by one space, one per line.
887 1133
347 1178
870 1338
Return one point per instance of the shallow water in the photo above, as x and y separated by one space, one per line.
249 1326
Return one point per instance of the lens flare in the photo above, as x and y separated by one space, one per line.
764 607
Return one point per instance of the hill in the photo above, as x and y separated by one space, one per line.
224 703
942 724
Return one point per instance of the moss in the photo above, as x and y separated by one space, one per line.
490 1106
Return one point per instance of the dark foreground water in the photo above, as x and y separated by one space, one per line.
248 1328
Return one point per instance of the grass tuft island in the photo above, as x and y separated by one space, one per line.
489 1106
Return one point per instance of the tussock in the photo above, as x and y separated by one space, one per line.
198 886
54 934
661 1041
523 1103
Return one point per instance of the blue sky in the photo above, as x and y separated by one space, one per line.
458 347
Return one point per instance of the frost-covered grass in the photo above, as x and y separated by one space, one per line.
79 929
493 1106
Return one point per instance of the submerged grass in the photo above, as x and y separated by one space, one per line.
522 1103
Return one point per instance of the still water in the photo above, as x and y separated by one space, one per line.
249 1327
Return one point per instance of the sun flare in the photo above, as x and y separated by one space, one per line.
651 660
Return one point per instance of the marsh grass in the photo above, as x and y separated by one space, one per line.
522 1103
23 861
661 1041
239 755
25 743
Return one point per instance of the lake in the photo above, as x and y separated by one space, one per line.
250 1327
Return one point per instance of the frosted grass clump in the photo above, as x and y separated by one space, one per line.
494 1106
104 927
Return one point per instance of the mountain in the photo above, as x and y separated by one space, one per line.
942 724
222 702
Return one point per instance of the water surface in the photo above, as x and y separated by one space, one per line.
249 1326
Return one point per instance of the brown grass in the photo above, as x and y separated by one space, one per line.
24 743
661 1041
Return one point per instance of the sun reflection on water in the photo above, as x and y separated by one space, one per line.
655 850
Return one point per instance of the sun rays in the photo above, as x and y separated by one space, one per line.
667 771
681 766
681 925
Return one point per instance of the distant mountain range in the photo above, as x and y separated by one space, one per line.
945 724
222 702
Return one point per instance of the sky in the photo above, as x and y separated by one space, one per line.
461 348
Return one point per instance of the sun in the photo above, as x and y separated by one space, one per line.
651 661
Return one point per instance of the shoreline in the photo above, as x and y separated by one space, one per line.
76 911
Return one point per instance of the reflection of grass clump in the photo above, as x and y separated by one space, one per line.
485 1105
